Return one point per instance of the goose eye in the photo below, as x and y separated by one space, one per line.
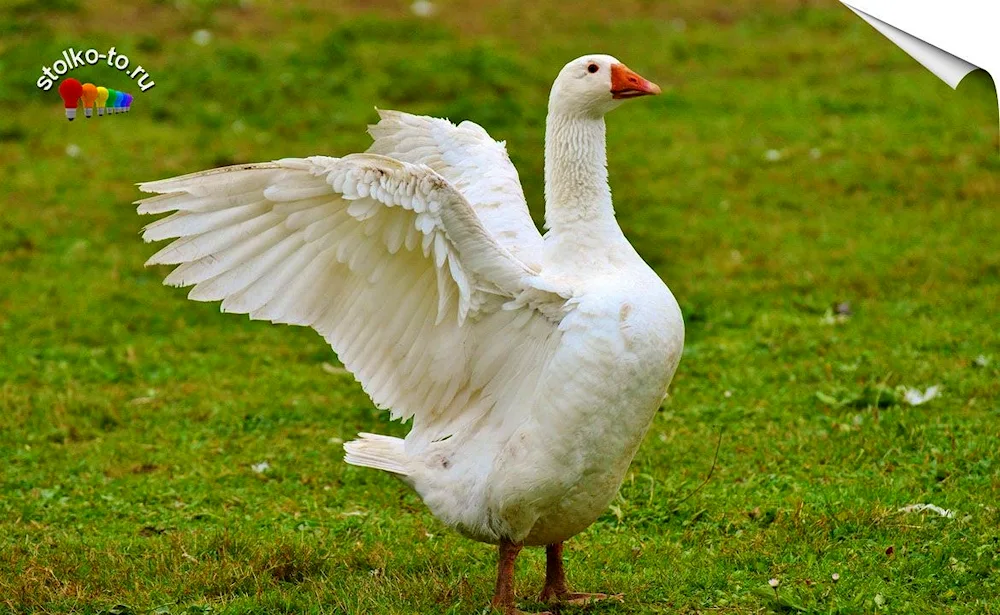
592 68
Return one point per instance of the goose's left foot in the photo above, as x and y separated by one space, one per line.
556 590
577 598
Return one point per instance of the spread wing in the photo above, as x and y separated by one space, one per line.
385 259
475 164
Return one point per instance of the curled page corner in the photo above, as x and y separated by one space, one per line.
951 39
948 68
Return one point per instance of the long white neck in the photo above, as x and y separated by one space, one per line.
576 173
579 216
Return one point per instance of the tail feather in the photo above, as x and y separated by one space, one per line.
376 451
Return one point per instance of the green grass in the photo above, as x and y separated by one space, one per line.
130 418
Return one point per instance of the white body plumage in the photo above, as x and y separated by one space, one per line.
550 465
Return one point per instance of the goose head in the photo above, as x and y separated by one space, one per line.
592 85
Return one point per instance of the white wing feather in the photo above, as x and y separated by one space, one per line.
475 164
385 259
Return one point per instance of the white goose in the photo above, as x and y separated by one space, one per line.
531 366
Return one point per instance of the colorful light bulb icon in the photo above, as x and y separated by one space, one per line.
70 90
102 99
121 102
89 97
128 103
112 100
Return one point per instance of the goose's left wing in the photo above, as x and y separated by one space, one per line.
383 258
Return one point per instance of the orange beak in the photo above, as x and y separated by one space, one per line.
627 84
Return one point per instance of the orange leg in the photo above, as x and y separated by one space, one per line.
503 597
556 589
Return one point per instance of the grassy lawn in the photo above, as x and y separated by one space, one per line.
796 161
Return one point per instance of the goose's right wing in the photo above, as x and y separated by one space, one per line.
475 164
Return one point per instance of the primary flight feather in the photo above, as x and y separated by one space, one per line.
531 366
